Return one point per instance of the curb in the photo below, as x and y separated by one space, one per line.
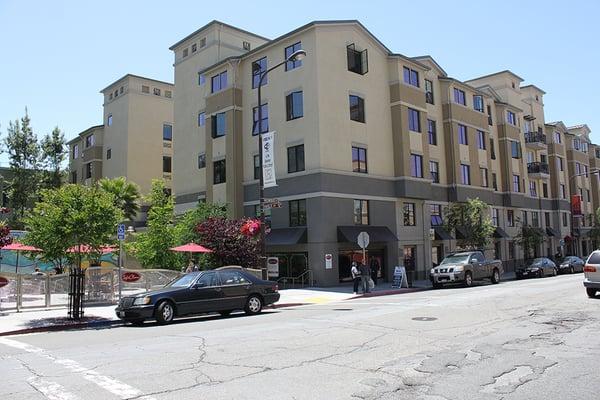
53 328
388 293
284 305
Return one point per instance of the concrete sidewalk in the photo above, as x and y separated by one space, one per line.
40 320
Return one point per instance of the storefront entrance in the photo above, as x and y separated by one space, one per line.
291 265
375 258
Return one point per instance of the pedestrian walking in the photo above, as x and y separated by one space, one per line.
355 276
374 269
365 277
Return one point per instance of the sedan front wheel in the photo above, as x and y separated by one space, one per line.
165 312
253 305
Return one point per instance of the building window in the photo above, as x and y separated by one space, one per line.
428 91
436 214
484 177
201 119
409 214
194 47
563 193
167 132
459 97
547 218
511 118
478 103
246 45
297 212
110 96
559 161
167 164
577 168
414 120
359 159
492 149
357 109
462 134
532 189
565 219
262 125
545 190
201 79
295 158
108 154
535 220
510 218
432 132
524 220
511 250
290 65
434 169
358 61
88 170
495 217
557 137
258 68
219 125
202 42
168 94
156 91
89 141
219 172
75 151
185 53
73 180
516 183
465 174
489 113
588 195
201 160
218 82
109 120
480 140
145 89
294 105
515 149
494 181
411 77
416 165
257 171
361 212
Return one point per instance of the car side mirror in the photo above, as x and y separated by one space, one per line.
199 285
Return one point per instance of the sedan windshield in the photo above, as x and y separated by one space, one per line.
456 259
184 281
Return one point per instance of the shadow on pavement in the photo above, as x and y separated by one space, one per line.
202 318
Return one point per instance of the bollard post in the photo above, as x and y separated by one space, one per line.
47 289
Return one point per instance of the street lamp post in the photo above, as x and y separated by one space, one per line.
591 172
295 56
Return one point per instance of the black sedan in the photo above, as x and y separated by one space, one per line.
537 268
223 291
570 265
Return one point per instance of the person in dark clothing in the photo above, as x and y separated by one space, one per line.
365 276
374 269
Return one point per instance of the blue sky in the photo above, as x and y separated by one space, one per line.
57 55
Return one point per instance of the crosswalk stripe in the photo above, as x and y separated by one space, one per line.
52 390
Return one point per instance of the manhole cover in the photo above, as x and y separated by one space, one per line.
342 309
424 319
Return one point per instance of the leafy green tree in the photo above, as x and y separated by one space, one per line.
529 238
68 216
151 247
53 154
23 151
185 228
595 224
126 195
473 220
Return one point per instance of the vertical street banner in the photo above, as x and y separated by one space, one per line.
268 159
576 204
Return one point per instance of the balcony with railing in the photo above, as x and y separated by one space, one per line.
535 140
538 170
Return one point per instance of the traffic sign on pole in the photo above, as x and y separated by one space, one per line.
121 231
363 240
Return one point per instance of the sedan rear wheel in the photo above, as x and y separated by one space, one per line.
253 305
496 276
165 312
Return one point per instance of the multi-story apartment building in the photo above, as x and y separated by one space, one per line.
366 140
135 140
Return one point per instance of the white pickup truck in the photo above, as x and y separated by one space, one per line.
465 267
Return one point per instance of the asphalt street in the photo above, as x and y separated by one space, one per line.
534 339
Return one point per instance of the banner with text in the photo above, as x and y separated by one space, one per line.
268 159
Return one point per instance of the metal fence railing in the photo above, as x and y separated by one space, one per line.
24 291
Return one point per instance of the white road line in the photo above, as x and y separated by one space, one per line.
112 385
52 390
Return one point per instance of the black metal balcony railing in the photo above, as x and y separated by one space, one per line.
537 168
535 137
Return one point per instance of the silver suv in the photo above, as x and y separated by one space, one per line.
591 272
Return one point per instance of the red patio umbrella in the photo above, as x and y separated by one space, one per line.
19 247
191 248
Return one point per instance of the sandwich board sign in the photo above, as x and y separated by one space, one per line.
399 277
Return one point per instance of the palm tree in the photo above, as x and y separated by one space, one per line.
126 195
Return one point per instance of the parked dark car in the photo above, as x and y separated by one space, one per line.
223 290
570 265
537 268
